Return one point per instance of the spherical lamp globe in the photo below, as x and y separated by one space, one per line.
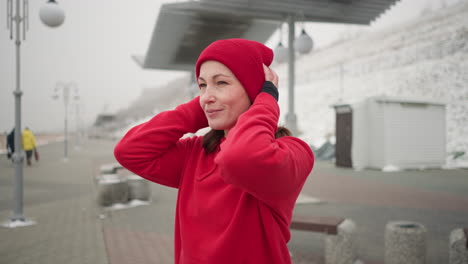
303 44
281 53
51 14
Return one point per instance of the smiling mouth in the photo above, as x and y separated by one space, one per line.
213 112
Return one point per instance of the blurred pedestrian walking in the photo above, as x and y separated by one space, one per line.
29 144
10 147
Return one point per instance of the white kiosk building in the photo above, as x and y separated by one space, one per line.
391 133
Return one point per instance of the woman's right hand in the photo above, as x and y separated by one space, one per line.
270 75
271 82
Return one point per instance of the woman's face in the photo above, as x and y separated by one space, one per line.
222 96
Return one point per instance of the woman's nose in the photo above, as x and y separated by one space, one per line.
207 95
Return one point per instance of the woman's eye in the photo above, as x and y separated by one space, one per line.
202 85
222 83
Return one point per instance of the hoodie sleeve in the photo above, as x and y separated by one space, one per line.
252 159
154 150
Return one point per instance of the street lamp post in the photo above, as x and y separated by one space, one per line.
17 16
291 118
78 125
64 89
303 44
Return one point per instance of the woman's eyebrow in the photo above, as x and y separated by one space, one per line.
214 76
220 75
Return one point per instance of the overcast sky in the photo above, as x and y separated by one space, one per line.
93 48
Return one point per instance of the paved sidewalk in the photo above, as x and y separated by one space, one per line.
71 228
59 197
438 199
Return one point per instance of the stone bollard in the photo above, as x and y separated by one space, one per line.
112 189
458 246
405 243
341 248
138 188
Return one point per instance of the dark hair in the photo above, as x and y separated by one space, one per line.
213 137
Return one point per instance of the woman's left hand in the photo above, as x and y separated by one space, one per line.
270 75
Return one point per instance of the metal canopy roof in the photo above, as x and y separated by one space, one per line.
184 29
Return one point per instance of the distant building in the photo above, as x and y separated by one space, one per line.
103 119
104 125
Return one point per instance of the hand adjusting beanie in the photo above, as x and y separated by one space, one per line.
243 57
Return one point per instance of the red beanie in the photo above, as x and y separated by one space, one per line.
243 57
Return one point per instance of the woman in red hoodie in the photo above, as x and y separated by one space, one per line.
239 182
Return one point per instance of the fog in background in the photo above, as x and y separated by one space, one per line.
93 48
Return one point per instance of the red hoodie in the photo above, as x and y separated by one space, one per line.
234 205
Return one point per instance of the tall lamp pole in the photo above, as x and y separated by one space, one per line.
77 126
291 118
65 89
303 44
17 20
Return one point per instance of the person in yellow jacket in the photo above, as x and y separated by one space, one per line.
29 144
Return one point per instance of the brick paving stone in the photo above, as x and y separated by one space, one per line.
129 246
435 198
58 196
352 189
